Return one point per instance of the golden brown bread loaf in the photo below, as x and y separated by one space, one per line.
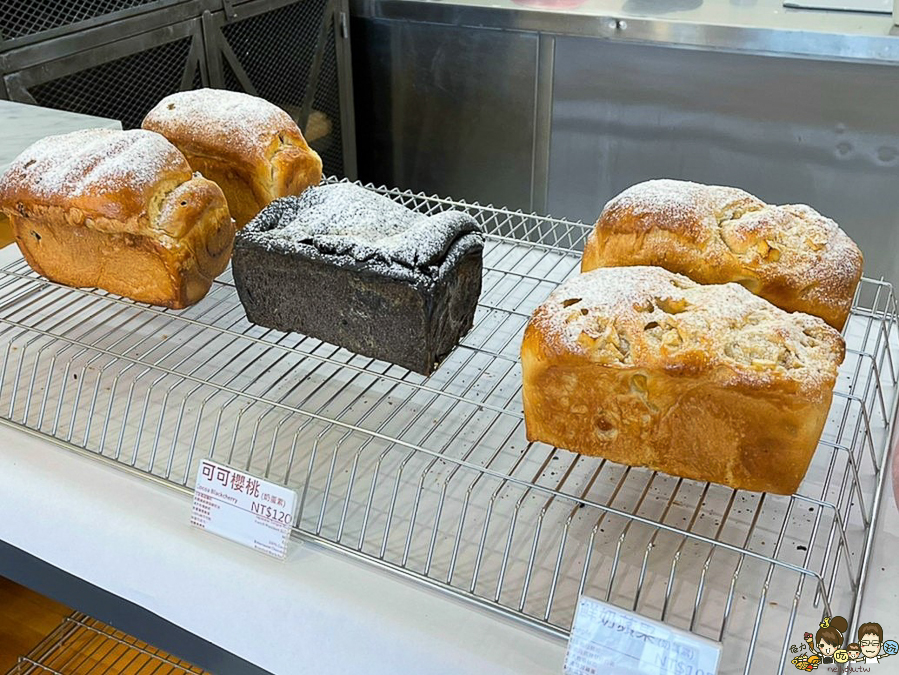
251 148
648 368
118 210
6 235
790 255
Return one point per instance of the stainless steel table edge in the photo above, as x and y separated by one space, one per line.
856 47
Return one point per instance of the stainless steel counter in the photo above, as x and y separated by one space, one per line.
752 26
557 110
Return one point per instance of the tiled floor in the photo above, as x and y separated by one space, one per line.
26 618
39 636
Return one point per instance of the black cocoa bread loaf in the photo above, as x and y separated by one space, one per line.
348 266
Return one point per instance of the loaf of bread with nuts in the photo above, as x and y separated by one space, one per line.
648 368
121 211
790 255
250 147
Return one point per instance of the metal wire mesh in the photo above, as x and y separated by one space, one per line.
277 49
125 89
19 18
434 478
84 646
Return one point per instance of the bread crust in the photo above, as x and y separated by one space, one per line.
790 255
121 211
251 148
647 368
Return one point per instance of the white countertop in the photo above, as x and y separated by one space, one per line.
318 608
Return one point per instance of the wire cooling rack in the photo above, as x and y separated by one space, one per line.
433 477
81 645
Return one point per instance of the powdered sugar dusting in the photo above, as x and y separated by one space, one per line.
719 234
244 121
343 219
836 264
649 317
89 162
674 202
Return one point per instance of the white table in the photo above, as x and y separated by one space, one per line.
318 608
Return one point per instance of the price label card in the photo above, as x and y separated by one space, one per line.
606 639
243 508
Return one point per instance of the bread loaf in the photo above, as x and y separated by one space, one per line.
118 210
647 368
6 235
376 277
250 147
790 255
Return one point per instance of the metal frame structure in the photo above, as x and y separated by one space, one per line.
21 81
52 56
81 645
707 26
433 478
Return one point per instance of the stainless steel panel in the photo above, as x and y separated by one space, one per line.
826 134
750 26
345 80
543 123
446 110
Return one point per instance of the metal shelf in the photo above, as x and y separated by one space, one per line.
81 645
433 477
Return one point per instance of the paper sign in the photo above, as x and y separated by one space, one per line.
605 639
243 508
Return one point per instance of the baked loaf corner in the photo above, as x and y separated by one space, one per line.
648 368
790 255
251 148
121 211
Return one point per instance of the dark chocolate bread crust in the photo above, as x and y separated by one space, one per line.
408 302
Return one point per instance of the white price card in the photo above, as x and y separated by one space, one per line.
243 508
606 639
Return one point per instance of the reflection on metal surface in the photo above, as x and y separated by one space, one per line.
447 108
786 131
659 7
561 124
550 4
878 6
750 26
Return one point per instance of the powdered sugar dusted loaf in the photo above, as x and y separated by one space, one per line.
74 169
790 255
246 122
648 368
354 268
348 222
250 147
118 210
